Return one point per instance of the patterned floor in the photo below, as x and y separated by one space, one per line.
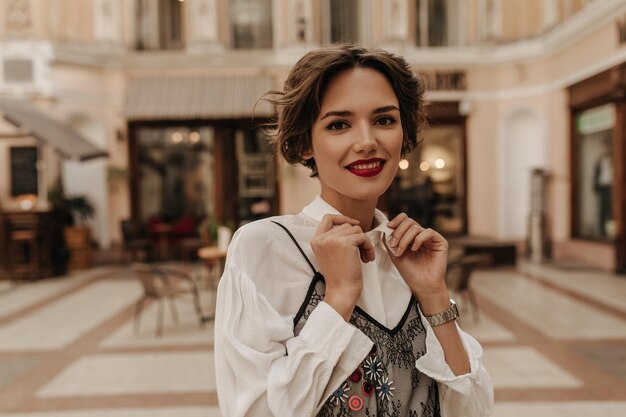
555 345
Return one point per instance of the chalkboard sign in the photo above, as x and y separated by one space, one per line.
24 170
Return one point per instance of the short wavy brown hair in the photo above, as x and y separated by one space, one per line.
298 105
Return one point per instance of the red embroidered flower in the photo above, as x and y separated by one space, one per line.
355 403
367 388
356 375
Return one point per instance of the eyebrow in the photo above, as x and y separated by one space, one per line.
344 113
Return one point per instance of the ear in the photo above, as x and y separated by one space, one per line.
308 154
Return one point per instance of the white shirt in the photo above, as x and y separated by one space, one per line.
262 369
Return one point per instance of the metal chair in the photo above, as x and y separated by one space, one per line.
134 242
459 274
164 284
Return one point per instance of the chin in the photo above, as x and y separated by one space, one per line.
366 193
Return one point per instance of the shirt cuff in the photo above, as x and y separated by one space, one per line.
338 341
434 364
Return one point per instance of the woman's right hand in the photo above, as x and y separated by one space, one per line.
339 245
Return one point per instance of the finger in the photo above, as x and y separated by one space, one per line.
401 230
389 249
431 238
409 236
366 247
331 220
397 220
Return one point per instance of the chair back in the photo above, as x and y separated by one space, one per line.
153 281
459 273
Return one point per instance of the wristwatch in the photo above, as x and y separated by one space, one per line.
451 313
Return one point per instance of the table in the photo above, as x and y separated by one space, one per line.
163 230
26 245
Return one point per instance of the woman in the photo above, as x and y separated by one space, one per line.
338 311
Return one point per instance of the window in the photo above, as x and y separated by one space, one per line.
344 21
594 217
430 184
251 24
24 175
438 23
176 169
257 175
159 25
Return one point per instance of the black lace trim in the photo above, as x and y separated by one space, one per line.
315 295
302 311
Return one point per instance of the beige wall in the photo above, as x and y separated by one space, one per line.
521 19
94 100
482 163
297 188
71 20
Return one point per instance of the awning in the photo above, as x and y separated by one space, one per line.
36 123
198 97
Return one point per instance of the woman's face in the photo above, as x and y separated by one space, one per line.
357 137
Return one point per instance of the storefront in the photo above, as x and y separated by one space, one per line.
431 182
598 157
199 159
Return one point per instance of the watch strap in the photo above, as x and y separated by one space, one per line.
451 313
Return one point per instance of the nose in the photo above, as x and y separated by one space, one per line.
365 140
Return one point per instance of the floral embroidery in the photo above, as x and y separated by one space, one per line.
368 388
355 403
385 389
373 368
340 396
392 359
356 375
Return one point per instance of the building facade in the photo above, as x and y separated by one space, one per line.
168 88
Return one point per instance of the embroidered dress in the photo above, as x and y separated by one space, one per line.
386 383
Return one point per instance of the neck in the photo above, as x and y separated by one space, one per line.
361 210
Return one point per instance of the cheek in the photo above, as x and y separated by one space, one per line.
395 142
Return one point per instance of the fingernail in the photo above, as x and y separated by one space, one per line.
413 247
393 242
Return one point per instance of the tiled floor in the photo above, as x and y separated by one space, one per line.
555 345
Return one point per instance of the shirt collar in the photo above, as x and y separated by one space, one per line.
319 207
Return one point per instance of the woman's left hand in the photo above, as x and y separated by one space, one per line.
420 255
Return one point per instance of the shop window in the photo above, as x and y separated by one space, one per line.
438 23
159 24
594 167
251 24
257 175
176 176
344 17
430 183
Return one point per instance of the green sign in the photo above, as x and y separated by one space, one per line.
596 120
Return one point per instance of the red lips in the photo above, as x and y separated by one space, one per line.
366 167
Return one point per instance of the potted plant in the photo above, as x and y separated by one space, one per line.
78 234
73 213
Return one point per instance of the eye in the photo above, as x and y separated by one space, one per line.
385 121
337 125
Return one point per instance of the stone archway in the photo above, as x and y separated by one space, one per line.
522 148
